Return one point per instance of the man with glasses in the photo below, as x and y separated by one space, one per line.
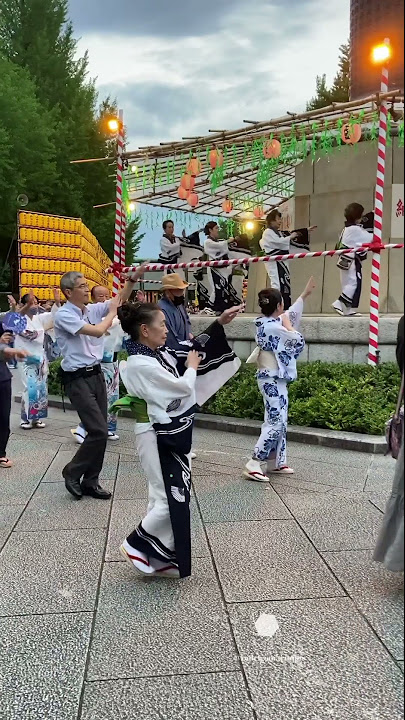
79 330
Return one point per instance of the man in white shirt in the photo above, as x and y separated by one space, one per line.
79 330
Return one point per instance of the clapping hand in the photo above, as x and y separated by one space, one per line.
193 360
230 314
309 288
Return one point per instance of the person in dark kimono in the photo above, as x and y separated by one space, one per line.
275 242
164 387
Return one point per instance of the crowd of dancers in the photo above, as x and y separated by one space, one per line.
168 375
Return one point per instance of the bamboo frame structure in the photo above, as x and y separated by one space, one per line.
154 159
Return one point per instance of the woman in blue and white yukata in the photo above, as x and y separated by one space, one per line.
279 346
165 386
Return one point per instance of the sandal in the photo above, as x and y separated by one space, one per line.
5 463
26 425
256 476
38 424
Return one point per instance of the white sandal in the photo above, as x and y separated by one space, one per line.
283 471
256 476
38 424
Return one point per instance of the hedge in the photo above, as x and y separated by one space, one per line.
338 396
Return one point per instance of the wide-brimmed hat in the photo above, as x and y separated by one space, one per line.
173 282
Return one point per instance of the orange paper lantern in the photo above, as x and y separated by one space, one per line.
193 199
216 159
271 149
183 193
194 166
187 182
227 205
351 134
258 211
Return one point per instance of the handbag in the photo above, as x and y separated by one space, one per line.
394 428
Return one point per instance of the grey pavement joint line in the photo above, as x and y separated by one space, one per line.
154 677
370 465
225 605
347 594
100 576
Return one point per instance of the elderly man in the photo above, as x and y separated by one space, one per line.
172 305
109 366
79 330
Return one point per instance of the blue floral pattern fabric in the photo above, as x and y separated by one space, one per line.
286 345
273 438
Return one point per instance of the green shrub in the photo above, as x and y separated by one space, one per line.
354 398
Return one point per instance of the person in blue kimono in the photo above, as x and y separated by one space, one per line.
279 345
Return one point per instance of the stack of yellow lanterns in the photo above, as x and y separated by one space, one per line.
50 246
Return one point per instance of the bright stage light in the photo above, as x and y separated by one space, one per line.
381 53
131 207
250 225
113 125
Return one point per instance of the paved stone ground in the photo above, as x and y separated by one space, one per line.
82 638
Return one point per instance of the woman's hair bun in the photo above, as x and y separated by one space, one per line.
133 315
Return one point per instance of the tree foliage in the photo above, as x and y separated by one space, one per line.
49 115
340 89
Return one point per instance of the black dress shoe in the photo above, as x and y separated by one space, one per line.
73 486
96 492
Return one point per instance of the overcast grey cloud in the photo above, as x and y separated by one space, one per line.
179 68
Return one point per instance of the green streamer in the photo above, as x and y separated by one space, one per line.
401 133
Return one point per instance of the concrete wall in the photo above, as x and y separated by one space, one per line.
322 190
330 339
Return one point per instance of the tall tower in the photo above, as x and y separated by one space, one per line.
371 21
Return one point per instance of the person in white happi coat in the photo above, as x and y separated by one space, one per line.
164 388
170 245
279 346
222 294
274 242
356 234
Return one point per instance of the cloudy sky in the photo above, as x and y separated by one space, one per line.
182 67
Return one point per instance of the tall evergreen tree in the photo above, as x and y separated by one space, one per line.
340 89
37 35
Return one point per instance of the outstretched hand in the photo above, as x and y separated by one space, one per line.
309 288
230 314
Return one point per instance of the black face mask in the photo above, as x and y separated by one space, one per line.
177 301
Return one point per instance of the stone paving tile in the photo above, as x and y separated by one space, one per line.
236 458
30 463
8 517
378 593
108 473
154 627
324 662
268 560
220 696
50 572
222 440
52 508
131 481
336 523
400 663
224 498
42 663
331 456
127 515
379 500
381 474
326 473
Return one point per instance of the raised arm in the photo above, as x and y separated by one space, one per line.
130 282
101 328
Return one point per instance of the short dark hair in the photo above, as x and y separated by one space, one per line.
133 315
26 297
269 299
93 289
166 222
353 212
209 226
272 216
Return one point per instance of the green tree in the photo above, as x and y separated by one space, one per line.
37 35
340 89
26 150
133 239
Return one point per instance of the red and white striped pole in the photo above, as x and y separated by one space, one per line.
118 204
123 235
378 221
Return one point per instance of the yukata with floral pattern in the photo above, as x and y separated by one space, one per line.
285 347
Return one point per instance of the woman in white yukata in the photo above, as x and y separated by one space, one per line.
277 242
34 370
355 234
164 390
279 347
